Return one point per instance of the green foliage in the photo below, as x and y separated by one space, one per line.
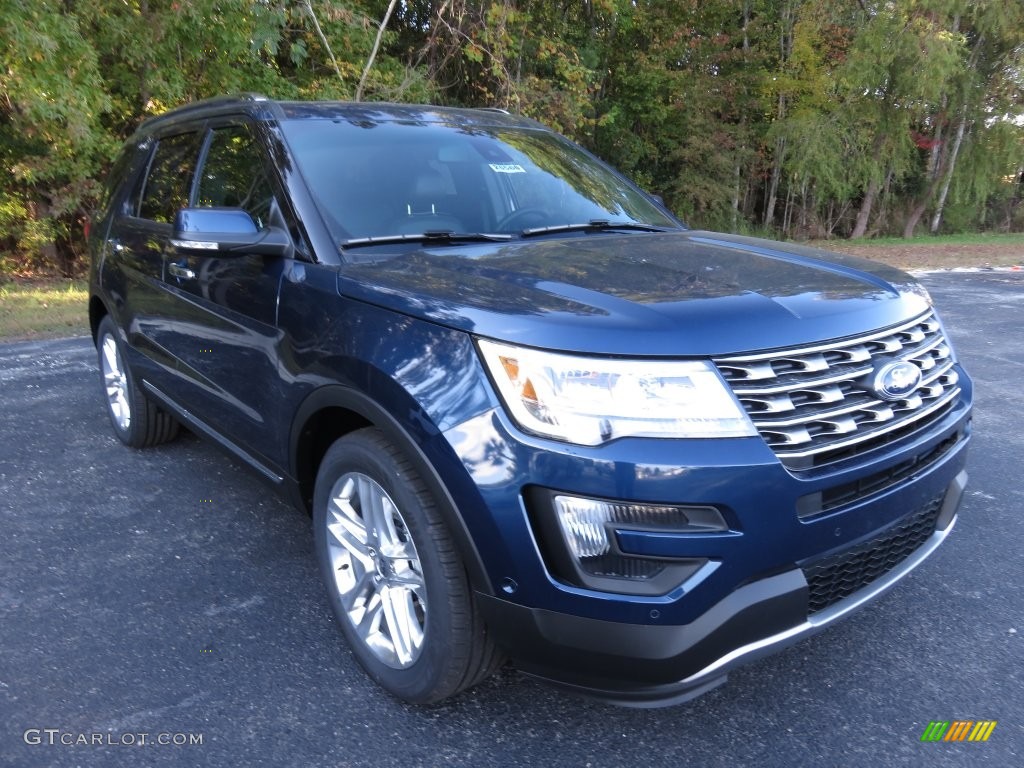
796 115
52 143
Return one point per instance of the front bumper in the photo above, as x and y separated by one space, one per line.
776 575
673 664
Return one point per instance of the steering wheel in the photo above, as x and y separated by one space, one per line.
520 219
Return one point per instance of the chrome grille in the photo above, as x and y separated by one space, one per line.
810 404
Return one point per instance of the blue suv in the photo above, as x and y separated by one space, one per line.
532 415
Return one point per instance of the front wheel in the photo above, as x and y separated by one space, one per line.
395 582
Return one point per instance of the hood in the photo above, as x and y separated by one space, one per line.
650 294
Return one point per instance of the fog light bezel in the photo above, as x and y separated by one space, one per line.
565 566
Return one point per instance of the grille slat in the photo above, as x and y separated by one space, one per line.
796 383
812 405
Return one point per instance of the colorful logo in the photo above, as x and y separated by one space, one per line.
959 730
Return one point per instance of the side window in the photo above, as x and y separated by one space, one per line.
170 177
123 173
233 175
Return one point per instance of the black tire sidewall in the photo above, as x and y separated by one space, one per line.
130 435
432 676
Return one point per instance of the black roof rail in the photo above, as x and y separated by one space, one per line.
207 104
231 98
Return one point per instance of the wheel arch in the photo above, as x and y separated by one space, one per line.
334 411
97 311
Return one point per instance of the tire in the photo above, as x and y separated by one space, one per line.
394 578
136 420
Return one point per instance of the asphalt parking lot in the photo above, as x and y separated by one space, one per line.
169 593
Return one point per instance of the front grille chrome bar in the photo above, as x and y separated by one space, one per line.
814 404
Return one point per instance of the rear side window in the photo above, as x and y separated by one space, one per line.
121 174
170 178
233 175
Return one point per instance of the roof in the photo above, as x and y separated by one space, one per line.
260 107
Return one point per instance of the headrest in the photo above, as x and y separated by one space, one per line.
429 185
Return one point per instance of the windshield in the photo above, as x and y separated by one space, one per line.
373 179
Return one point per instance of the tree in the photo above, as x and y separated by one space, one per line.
52 142
806 117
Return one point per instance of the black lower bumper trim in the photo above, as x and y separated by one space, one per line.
592 656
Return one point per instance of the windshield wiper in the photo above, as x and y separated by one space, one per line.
430 236
595 225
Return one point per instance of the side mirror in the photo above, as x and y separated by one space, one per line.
227 232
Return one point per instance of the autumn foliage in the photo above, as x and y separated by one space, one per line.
796 118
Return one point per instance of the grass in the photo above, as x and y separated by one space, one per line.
43 309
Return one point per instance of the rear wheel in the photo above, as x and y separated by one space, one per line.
394 579
136 420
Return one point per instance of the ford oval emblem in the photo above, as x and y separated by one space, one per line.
895 380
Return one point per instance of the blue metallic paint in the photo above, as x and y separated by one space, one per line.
740 477
639 294
392 341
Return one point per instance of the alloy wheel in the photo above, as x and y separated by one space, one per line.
115 381
376 569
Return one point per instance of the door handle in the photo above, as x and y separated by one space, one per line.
183 272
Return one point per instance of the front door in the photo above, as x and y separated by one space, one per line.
224 332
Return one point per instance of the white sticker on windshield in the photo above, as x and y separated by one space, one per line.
507 168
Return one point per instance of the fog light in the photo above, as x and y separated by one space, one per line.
585 525
578 541
584 521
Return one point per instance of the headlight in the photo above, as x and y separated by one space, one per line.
590 400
